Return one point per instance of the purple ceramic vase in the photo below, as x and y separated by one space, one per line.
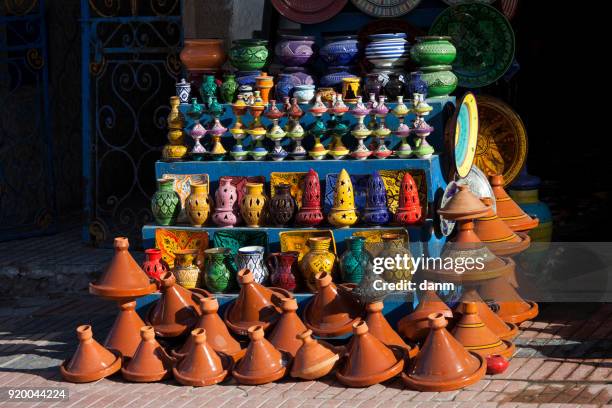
376 211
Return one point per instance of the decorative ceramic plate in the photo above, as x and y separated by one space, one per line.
502 139
373 238
390 26
182 186
309 11
298 240
484 40
455 2
235 239
168 241
461 136
294 179
386 8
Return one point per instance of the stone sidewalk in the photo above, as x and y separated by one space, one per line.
564 357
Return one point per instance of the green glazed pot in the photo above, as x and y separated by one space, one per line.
249 55
229 88
166 203
208 89
440 80
219 270
433 50
354 260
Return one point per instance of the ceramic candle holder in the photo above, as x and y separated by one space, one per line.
295 131
360 131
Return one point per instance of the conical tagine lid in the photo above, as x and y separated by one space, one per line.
382 330
476 336
315 358
150 362
201 365
331 311
262 362
443 364
503 330
289 326
368 360
464 205
497 235
256 305
511 306
90 361
124 336
415 326
123 277
509 211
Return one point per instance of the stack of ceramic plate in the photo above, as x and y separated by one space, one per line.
387 50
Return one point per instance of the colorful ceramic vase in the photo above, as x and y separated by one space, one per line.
238 130
226 197
409 209
166 203
282 206
284 86
264 84
229 88
204 54
185 271
183 90
318 129
295 131
343 213
416 85
304 93
248 54
387 50
360 131
219 270
394 87
197 204
153 265
175 149
197 133
373 85
440 80
252 258
247 78
310 213
275 132
318 259
376 211
433 50
281 265
208 89
400 111
294 50
350 89
257 132
394 246
253 205
340 50
381 131
354 261
337 149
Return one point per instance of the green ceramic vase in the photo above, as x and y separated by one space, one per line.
440 80
208 89
249 54
354 260
229 88
219 270
166 203
433 50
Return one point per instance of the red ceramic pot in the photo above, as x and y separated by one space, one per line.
153 265
496 364
281 269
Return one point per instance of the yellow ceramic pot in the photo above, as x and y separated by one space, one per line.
174 152
343 213
394 245
185 271
350 89
318 259
197 205
253 205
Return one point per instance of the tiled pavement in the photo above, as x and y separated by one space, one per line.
564 357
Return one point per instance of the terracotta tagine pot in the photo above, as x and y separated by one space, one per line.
332 310
477 337
176 311
256 305
368 360
315 358
497 235
415 326
218 336
153 265
503 330
510 305
204 54
318 259
509 211
443 364
382 330
289 326
201 365
124 336
496 364
310 214
90 362
122 278
262 363
150 362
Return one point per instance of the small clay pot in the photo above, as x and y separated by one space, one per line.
416 325
201 365
315 358
150 362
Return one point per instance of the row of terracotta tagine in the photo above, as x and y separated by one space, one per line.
183 336
337 128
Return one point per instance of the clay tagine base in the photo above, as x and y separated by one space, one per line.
316 358
228 363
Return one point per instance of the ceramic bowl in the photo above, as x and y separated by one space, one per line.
295 50
304 93
249 54
340 50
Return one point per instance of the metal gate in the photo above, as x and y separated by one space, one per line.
130 64
27 189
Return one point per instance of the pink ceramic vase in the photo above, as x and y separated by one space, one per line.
226 197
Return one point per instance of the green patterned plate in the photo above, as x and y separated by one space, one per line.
386 8
484 40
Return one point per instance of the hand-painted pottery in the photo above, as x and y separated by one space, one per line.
354 260
253 205
183 90
343 213
373 238
229 89
327 95
433 50
318 259
170 240
309 12
394 87
334 76
376 211
219 270
185 271
485 50
310 212
247 78
197 205
294 50
387 50
236 239
282 206
300 74
385 8
350 90
394 246
252 258
208 89
440 80
153 266
304 93
416 85
281 266
226 197
285 85
264 84
248 54
340 50
206 54
166 203
359 183
295 180
409 209
373 85
175 149
298 240
461 135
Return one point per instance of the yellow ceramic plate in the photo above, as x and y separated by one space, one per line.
298 240
182 186
502 139
171 240
463 134
373 238
294 179
393 181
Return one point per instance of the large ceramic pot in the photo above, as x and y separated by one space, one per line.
334 76
433 50
203 54
300 75
252 258
282 206
354 261
294 50
249 54
340 50
387 50
219 269
165 203
440 80
253 205
372 85
185 270
318 259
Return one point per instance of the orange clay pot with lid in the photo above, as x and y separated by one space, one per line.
497 235
124 336
382 330
284 335
512 308
201 365
150 362
315 358
509 211
415 326
505 331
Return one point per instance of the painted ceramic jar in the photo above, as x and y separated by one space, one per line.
393 246
373 85
317 259
409 207
440 80
247 77
310 213
416 85
208 89
166 203
183 90
219 270
300 75
387 50
248 54
376 211
354 260
350 89
327 95
394 87
294 50
433 50
229 88
197 205
343 213
282 206
205 54
253 205
334 76
252 258
285 85
226 197
304 93
185 270
264 84
340 50
281 265
153 265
